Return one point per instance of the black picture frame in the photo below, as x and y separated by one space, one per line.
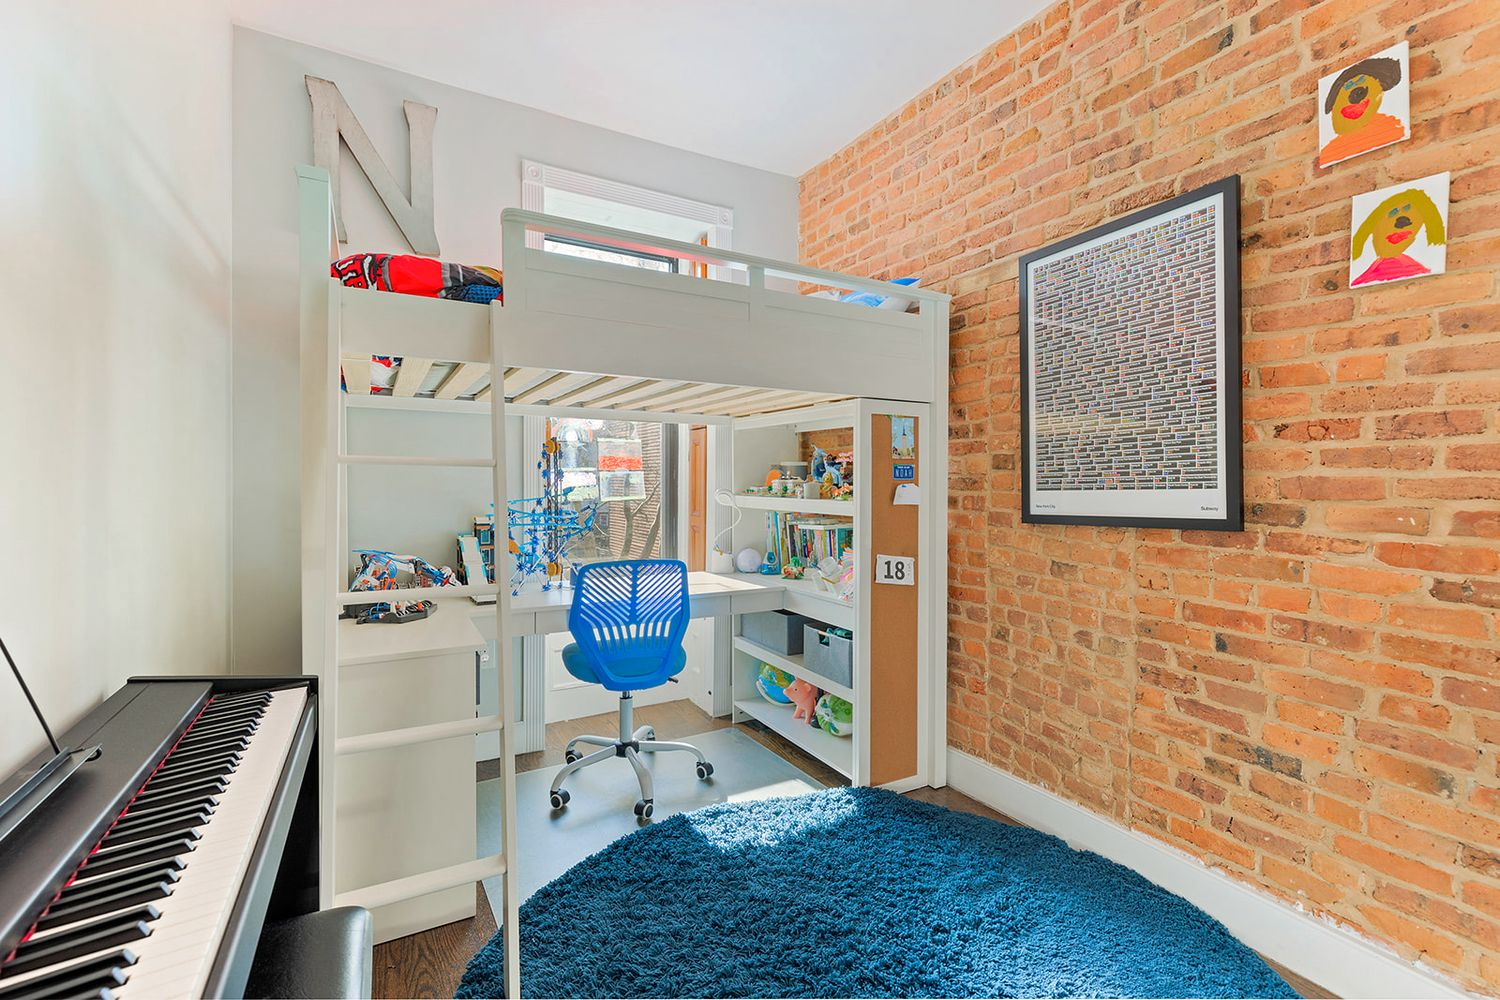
1225 512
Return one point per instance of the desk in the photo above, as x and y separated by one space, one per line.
460 625
422 672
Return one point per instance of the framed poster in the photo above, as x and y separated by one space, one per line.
1130 369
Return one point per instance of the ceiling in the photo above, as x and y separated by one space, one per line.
775 84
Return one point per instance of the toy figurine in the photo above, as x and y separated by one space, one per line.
824 470
805 697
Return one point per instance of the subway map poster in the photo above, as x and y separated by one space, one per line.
1130 387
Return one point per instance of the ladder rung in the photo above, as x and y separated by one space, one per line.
414 593
411 886
425 460
417 734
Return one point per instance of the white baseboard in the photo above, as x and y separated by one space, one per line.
906 784
1334 957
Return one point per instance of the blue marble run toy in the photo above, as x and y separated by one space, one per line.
542 529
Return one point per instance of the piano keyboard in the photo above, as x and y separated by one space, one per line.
144 914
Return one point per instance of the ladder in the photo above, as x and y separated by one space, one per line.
325 582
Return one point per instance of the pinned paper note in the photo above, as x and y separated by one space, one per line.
907 495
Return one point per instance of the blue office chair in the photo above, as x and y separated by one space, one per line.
628 619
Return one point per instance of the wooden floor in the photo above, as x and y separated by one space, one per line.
430 964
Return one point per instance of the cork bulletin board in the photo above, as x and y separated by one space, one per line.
893 609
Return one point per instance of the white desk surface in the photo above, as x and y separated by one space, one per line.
459 625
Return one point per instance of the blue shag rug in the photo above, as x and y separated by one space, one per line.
862 893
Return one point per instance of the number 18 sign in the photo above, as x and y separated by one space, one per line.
896 569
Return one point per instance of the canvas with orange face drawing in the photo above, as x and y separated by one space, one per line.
1400 232
1364 106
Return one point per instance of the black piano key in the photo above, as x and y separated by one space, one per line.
109 851
86 892
139 813
134 820
187 779
258 694
45 985
180 762
89 984
249 713
219 763
89 879
213 743
153 797
32 955
203 728
141 913
181 822
221 730
145 892
97 865
238 700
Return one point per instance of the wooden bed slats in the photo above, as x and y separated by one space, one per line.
356 373
410 376
461 380
542 386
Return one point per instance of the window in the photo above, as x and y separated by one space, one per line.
629 468
610 255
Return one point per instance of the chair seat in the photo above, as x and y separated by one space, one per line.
580 666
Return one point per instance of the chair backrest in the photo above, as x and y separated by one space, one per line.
629 618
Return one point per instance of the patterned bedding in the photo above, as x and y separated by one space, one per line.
411 275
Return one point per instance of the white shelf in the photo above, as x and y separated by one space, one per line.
795 505
835 751
807 598
793 665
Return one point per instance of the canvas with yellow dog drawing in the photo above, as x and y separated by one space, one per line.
1400 232
1364 106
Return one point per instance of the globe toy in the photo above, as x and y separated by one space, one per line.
835 715
747 560
771 682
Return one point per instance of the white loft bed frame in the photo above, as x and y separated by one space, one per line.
588 338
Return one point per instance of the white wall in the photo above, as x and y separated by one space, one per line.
114 349
418 511
478 147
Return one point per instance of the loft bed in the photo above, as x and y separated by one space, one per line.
736 341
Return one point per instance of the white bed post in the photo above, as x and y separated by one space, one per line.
505 668
320 418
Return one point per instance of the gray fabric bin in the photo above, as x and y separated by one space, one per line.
778 631
830 655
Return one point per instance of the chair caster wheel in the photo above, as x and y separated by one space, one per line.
650 734
705 770
570 756
644 809
560 798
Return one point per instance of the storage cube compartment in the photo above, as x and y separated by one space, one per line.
827 654
778 631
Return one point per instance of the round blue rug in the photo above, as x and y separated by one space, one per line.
862 893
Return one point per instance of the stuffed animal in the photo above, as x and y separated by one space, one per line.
805 697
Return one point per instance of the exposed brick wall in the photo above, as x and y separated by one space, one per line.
835 441
1312 704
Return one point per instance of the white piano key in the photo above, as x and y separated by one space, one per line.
175 960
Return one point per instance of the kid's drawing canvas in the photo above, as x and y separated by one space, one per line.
1364 106
1400 232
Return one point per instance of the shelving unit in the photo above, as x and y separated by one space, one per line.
795 505
835 751
794 665
758 444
